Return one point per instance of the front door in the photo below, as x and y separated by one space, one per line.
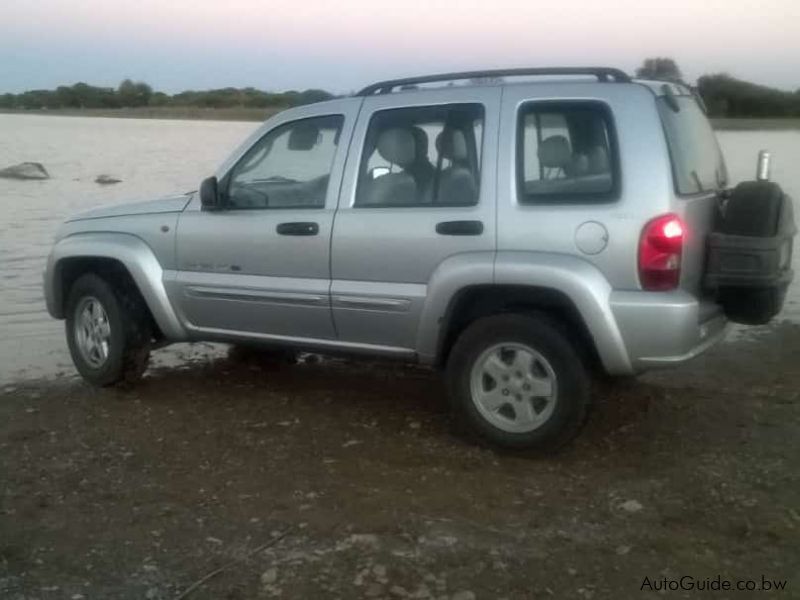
418 194
260 267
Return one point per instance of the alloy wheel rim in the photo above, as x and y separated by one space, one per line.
92 331
513 387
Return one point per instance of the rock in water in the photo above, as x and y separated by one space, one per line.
26 170
106 180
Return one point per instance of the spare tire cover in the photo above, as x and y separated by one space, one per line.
753 209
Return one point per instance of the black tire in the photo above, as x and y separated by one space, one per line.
753 209
544 335
130 331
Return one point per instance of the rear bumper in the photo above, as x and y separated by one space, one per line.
661 329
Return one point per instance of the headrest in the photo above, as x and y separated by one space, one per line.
452 144
304 137
397 146
554 152
598 160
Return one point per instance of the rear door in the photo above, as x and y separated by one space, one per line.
418 191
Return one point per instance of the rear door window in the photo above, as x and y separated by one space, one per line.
425 156
566 152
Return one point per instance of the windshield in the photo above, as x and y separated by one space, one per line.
697 162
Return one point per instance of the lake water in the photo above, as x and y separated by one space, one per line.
157 157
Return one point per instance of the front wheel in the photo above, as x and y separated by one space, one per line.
517 382
108 331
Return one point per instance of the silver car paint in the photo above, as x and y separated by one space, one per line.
163 205
662 328
385 285
381 255
646 187
451 276
137 257
237 274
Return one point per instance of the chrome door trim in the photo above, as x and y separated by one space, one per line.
372 303
252 295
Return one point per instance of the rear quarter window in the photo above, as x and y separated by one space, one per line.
566 153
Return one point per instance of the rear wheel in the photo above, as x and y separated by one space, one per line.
108 331
516 381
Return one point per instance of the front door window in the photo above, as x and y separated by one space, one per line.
288 168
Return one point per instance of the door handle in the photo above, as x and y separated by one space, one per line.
298 228
459 228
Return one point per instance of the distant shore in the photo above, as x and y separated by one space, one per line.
756 124
260 114
237 113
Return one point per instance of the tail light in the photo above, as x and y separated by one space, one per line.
660 249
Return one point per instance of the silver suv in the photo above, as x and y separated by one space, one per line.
520 234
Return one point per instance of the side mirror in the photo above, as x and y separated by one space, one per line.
209 194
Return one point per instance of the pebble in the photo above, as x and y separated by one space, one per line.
631 506
269 576
272 590
623 550
398 591
463 595
423 591
379 571
366 539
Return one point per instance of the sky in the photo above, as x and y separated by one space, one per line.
341 45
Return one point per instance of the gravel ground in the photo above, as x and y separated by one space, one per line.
335 479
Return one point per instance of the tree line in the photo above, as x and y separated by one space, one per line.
724 95
132 94
727 96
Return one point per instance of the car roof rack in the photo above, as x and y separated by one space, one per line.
602 74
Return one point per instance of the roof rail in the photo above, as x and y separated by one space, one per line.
602 74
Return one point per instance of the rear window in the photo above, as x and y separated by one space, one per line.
697 162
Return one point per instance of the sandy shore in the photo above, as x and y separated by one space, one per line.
138 493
